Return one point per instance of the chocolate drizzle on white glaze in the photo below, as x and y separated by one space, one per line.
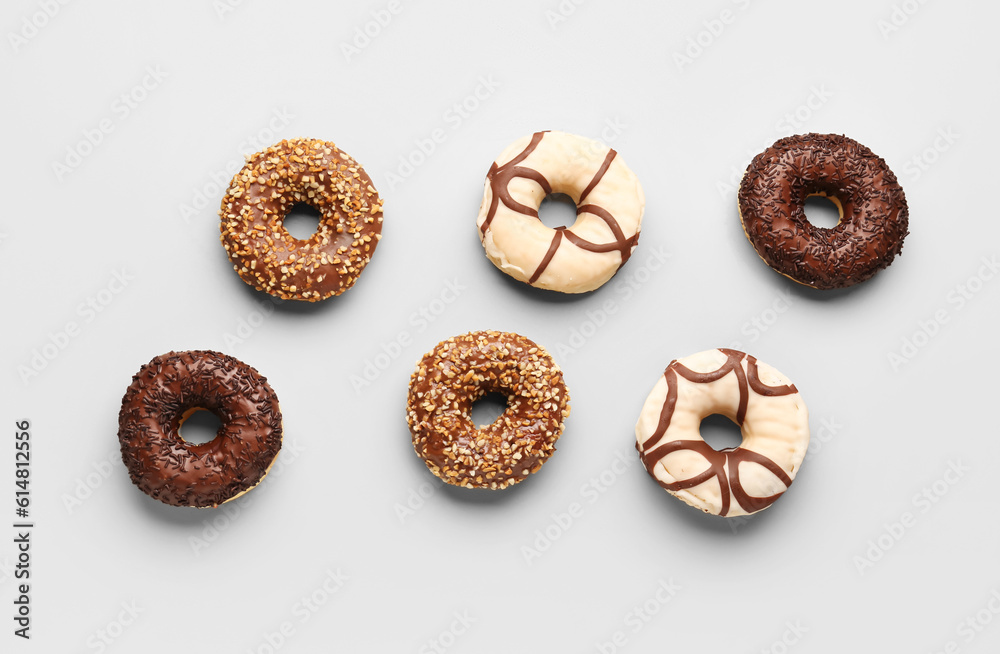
499 178
723 465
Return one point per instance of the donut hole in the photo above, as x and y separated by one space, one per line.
557 210
199 426
720 432
302 221
487 409
823 211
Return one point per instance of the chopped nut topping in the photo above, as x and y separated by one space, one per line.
266 189
459 371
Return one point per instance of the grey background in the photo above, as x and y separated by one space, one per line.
881 434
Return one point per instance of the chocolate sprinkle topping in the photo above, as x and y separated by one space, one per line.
168 389
457 372
772 200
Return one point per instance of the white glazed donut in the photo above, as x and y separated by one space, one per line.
763 402
574 259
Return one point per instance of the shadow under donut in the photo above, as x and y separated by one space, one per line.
750 258
290 307
691 518
459 494
182 516
541 295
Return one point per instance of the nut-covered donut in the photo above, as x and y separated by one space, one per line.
169 389
873 211
306 171
609 208
763 402
457 372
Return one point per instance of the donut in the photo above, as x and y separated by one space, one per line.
262 251
768 409
163 394
457 372
609 207
873 211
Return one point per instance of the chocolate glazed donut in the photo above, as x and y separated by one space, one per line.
312 172
873 211
169 389
460 370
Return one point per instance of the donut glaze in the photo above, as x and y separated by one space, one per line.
166 391
457 372
734 481
609 209
262 251
874 215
